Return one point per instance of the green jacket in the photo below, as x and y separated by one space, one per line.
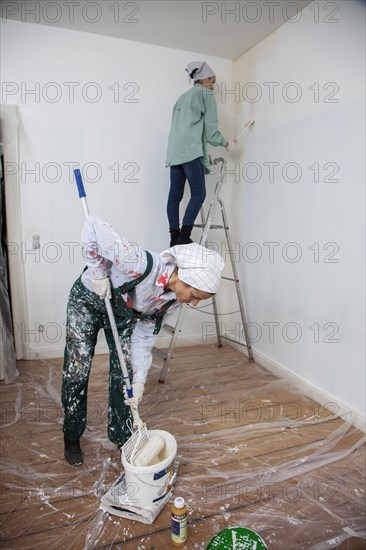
194 124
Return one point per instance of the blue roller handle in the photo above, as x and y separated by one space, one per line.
79 183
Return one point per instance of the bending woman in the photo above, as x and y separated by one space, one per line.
143 287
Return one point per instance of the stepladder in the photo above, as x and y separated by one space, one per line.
218 168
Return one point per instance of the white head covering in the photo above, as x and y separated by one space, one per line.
199 70
198 266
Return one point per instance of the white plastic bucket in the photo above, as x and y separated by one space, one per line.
146 486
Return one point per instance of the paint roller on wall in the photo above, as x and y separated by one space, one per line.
146 448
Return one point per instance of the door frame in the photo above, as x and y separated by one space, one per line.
9 118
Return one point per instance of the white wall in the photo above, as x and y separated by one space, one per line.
316 284
129 131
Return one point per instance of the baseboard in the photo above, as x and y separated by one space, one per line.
55 352
184 341
356 417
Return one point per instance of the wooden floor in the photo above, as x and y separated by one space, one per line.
253 451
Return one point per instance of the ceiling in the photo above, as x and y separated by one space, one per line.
222 29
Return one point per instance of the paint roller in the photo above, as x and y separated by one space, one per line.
146 448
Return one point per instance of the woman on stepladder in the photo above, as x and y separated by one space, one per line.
194 125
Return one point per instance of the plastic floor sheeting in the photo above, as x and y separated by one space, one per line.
253 451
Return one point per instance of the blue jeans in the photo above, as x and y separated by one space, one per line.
193 171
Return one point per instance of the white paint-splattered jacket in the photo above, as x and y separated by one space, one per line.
108 255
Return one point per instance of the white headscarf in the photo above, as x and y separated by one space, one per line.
199 70
198 266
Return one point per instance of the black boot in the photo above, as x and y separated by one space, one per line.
73 453
174 235
185 233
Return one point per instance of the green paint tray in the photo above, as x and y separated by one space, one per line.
237 538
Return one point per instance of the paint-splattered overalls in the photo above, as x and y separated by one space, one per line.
86 315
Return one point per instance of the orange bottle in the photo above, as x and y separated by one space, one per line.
179 522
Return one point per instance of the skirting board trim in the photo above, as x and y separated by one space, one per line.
55 352
356 417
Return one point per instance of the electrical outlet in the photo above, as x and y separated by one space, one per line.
36 241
